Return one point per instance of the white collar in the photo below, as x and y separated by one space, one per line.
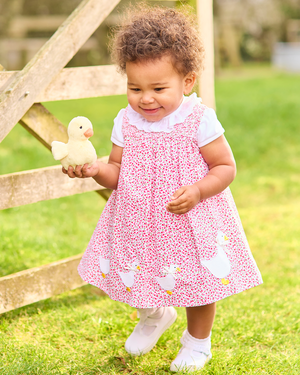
166 124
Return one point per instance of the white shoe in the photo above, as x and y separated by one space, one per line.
149 329
191 357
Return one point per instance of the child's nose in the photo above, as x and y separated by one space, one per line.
147 98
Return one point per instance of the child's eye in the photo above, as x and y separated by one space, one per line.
135 90
158 88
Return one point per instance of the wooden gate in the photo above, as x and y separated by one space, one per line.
45 79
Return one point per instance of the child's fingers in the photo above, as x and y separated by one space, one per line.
178 193
85 168
70 172
90 171
85 171
178 202
77 171
184 199
74 172
80 171
177 198
181 209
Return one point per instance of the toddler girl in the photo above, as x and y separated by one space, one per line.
170 234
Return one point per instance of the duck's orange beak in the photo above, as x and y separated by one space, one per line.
88 133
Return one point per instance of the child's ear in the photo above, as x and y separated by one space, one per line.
189 82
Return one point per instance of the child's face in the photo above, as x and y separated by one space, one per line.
155 89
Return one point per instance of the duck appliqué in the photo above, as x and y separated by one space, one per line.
128 277
219 265
168 282
104 266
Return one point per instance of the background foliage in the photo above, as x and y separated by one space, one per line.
257 25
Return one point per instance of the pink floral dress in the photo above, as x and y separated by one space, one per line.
145 256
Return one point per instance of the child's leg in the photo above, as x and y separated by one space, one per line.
200 320
196 344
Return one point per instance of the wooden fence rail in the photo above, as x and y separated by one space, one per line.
78 83
36 284
19 189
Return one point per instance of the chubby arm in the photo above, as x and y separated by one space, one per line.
222 170
104 174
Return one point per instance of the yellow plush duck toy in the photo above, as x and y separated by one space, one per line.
79 150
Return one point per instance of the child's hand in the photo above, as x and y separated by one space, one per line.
82 172
184 199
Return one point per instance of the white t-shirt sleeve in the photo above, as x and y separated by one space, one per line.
117 135
210 128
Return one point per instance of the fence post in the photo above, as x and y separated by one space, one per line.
207 80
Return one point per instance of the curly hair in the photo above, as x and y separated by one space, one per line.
151 32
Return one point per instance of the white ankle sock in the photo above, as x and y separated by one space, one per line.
199 345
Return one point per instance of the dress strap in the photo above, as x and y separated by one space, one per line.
125 124
189 127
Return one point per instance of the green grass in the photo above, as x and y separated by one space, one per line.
83 332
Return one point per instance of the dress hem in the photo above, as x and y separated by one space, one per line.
172 304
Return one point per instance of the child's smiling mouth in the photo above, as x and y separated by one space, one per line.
150 111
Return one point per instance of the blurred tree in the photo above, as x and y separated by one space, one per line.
38 7
8 10
249 28
244 29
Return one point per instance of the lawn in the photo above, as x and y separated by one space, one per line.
83 331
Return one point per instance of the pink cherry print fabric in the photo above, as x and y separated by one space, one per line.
145 256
